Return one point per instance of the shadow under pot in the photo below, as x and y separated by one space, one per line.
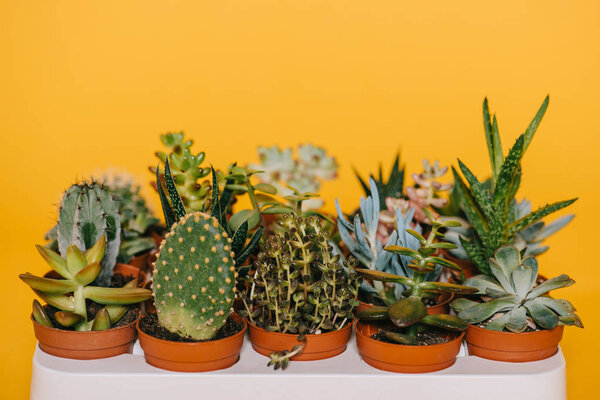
87 345
513 347
192 356
403 358
317 347
442 307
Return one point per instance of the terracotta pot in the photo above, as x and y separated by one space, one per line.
402 358
129 271
442 307
85 345
513 347
318 347
193 357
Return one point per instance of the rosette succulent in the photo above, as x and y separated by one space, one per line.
511 300
303 174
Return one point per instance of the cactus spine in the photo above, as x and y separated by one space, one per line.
88 211
194 277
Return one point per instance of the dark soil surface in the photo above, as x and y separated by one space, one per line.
425 338
119 280
149 325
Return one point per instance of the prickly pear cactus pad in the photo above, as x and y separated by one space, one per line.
194 277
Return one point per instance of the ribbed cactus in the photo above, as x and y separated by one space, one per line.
88 211
194 277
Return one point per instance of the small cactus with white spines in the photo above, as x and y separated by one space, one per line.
194 277
87 212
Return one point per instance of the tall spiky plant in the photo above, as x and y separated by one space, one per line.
490 207
392 187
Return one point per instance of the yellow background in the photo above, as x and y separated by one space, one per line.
89 84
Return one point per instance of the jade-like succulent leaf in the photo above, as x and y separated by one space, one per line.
75 259
250 215
517 320
498 323
408 311
88 274
532 263
400 338
49 286
68 318
102 321
445 321
416 235
96 252
443 262
521 279
482 283
265 188
542 315
503 279
39 315
551 284
404 251
374 314
55 261
384 277
508 259
116 295
447 287
483 311
462 303
60 301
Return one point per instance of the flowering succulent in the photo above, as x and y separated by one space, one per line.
299 286
303 174
490 208
186 170
410 312
426 192
510 298
78 270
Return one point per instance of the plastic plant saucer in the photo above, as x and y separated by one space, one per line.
346 376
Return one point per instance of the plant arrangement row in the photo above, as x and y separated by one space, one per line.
413 270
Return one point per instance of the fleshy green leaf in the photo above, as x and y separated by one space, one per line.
55 261
445 321
384 277
533 125
96 252
447 287
116 296
166 206
102 320
551 284
40 316
542 315
507 173
400 338
374 314
68 318
408 311
266 188
49 286
484 311
176 202
88 274
75 259
517 320
250 215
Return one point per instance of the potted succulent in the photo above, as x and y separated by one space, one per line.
82 321
89 210
514 318
193 287
363 239
301 299
496 218
404 337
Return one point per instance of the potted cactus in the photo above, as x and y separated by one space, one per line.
301 298
82 321
513 318
404 336
363 238
194 328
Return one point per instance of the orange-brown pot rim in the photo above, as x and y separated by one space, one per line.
135 322
459 337
483 330
234 337
344 329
